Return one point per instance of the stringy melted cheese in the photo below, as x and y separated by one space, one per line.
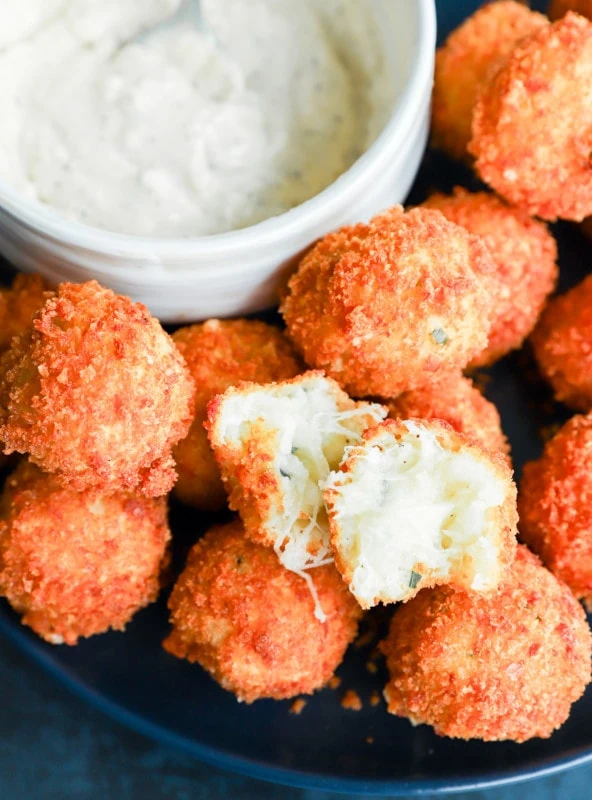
412 502
309 424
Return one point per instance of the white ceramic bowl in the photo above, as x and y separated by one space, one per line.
239 272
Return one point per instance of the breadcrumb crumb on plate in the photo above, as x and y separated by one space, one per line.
298 706
351 701
416 505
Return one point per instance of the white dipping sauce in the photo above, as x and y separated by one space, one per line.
186 132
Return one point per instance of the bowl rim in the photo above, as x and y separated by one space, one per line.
46 221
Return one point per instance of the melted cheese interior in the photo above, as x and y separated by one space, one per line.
412 504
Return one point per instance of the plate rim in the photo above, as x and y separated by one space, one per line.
251 768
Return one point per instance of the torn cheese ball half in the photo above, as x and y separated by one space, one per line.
275 444
416 505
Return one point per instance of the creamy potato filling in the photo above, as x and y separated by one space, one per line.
410 506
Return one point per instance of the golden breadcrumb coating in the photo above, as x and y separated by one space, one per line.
75 564
493 667
17 306
561 344
524 253
466 61
220 353
251 623
559 8
458 402
389 306
97 393
555 508
532 127
417 505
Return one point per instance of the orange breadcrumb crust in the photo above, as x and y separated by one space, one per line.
532 127
298 706
250 622
351 701
458 402
524 253
219 354
559 8
97 393
561 344
17 306
75 564
466 61
492 667
389 306
555 509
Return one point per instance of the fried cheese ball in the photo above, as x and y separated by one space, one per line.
524 253
251 623
18 304
97 393
495 667
75 564
458 402
274 445
561 345
532 126
220 354
559 8
555 509
416 505
466 61
390 306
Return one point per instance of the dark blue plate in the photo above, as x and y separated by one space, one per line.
131 678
